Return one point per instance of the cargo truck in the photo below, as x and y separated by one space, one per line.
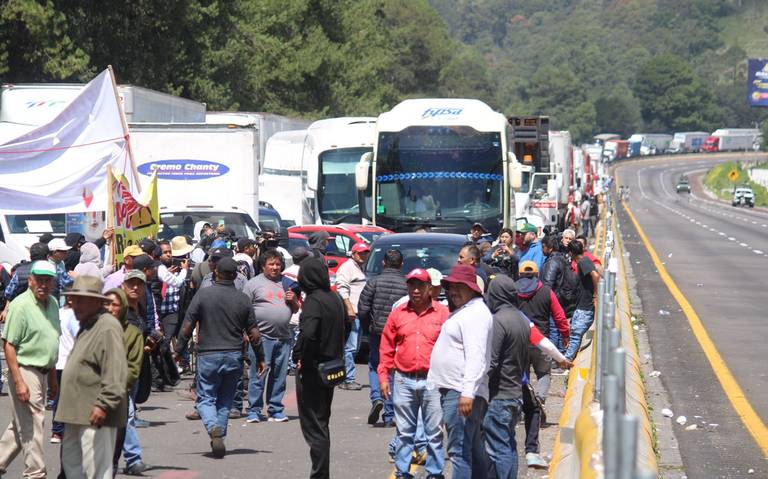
614 150
733 139
687 142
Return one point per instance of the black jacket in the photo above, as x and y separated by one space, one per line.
321 323
378 296
509 347
552 270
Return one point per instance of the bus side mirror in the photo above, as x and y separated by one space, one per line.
361 171
515 173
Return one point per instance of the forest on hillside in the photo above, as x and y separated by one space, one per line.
591 65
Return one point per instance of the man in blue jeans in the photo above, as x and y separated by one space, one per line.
376 300
222 314
584 314
406 347
273 307
458 369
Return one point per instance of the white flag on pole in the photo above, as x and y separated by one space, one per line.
61 167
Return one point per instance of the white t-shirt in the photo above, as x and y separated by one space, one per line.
69 328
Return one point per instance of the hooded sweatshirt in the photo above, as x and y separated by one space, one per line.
90 261
133 339
321 324
509 346
538 302
317 242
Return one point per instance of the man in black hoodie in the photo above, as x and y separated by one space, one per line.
321 338
373 308
318 243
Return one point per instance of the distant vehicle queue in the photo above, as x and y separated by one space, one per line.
436 165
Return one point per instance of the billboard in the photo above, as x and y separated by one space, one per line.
757 82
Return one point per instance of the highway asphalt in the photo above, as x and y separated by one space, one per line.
717 256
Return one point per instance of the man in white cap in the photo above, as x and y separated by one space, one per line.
58 249
31 342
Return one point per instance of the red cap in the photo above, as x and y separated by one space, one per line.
465 274
361 247
419 275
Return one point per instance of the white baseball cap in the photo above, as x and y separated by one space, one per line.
58 244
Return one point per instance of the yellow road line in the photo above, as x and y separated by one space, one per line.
732 390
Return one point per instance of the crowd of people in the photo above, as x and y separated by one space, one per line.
451 358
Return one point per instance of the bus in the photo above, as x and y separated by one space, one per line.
332 149
440 164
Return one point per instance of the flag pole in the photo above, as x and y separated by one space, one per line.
110 215
125 130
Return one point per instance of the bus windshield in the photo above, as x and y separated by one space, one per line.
337 195
449 172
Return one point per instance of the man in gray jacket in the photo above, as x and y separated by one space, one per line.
375 304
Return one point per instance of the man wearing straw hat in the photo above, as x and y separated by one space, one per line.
31 341
93 402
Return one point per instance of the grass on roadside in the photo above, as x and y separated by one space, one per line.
717 181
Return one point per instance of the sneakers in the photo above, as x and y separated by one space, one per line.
55 438
135 469
558 372
278 417
235 414
351 386
419 459
373 416
255 417
141 423
535 461
217 443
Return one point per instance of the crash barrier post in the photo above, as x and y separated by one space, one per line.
610 422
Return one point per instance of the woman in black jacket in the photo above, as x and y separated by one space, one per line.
321 338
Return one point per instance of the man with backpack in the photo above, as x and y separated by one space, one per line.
539 303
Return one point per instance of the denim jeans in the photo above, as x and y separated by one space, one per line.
217 376
350 349
420 442
499 427
554 335
132 446
373 378
412 395
56 427
465 446
276 354
294 338
580 323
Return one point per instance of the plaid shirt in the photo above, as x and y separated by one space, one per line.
172 284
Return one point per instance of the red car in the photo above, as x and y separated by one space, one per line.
343 238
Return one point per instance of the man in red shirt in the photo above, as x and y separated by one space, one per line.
406 347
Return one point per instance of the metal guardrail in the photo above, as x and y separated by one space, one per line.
619 429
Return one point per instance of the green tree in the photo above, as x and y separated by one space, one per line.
672 96
617 114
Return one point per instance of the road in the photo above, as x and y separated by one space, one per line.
717 256
179 449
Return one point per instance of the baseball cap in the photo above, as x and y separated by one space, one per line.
527 228
43 268
528 266
58 244
419 275
435 276
243 243
135 274
45 238
132 250
480 226
220 252
144 261
227 266
361 248
147 245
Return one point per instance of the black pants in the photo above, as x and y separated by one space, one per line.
532 414
314 401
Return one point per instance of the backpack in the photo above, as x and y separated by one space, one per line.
245 268
568 293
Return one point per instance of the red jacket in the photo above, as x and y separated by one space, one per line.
408 339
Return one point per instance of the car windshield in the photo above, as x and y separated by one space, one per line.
179 223
268 222
337 195
445 172
37 224
294 243
369 236
440 256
